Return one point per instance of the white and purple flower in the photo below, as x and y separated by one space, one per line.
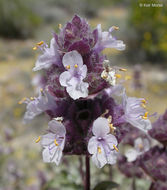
53 142
37 105
72 79
106 40
141 145
135 113
49 57
102 145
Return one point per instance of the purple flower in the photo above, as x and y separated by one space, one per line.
53 142
134 113
159 129
159 185
153 162
129 169
102 145
50 55
76 39
73 78
140 146
106 40
37 105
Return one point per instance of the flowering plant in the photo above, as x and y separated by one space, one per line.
78 91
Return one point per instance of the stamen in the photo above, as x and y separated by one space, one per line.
143 105
118 76
42 92
22 100
111 127
34 48
122 69
127 77
56 143
32 98
99 149
40 43
144 101
68 67
109 119
116 27
76 66
140 146
60 26
104 76
115 148
145 116
38 139
106 112
68 31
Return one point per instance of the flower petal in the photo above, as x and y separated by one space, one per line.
47 139
64 78
49 57
100 127
57 128
111 140
140 123
71 58
78 90
99 159
131 155
92 145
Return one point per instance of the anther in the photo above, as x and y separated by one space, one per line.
122 69
109 119
56 143
34 48
76 66
99 150
116 27
38 139
143 101
115 148
22 100
145 115
118 76
143 105
32 98
140 146
68 67
127 77
40 43
60 26
104 76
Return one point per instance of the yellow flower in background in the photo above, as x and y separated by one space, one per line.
147 36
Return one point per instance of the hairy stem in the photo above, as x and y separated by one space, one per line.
87 175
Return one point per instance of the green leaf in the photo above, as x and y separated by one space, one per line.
105 185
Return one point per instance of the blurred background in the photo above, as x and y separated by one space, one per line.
25 22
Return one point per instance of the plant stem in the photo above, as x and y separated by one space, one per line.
87 176
134 184
151 186
81 169
110 173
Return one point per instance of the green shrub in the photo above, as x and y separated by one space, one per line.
149 25
17 19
